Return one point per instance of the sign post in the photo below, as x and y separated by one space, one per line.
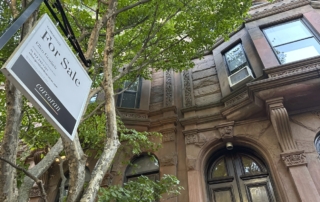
46 71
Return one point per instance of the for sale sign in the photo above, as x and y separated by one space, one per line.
45 69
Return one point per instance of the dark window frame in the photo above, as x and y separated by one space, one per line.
247 63
137 96
304 22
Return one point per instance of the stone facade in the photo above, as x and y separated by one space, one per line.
276 115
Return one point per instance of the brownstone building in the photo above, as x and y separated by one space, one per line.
243 124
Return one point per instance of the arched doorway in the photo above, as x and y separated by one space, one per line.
238 176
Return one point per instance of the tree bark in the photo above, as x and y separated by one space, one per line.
77 163
112 143
9 145
39 170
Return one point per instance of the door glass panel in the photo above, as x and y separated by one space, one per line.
259 194
220 169
222 196
249 166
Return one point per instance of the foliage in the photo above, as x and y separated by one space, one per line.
142 189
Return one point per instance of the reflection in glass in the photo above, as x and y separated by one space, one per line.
292 41
298 50
220 169
249 166
287 32
236 58
143 164
259 194
223 196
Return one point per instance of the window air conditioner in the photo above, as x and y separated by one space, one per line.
240 77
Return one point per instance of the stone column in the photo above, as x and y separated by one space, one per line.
294 159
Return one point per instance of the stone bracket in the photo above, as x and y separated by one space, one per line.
226 130
294 158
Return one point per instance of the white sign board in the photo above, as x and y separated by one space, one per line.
46 71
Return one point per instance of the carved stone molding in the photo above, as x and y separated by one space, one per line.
107 180
168 137
169 160
238 98
276 7
297 70
226 130
187 89
134 115
281 124
295 158
195 138
35 192
168 101
191 162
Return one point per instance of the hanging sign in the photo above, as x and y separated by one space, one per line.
46 71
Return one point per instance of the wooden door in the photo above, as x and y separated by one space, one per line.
238 176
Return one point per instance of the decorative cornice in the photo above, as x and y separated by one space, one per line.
200 119
164 120
277 8
163 110
240 97
201 107
315 4
195 131
295 158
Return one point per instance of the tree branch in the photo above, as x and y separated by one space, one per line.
131 6
63 178
37 180
130 26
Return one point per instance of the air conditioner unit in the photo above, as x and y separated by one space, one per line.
240 77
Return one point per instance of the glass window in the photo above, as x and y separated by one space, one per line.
292 41
130 98
317 143
236 58
143 165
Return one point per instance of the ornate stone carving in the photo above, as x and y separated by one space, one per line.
191 163
194 138
169 160
226 130
35 192
281 124
168 90
294 70
276 7
187 89
191 138
238 98
168 137
295 158
107 180
134 115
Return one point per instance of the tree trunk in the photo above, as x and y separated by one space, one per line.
39 170
77 163
112 143
9 145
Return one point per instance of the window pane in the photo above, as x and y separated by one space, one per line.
317 144
220 169
298 50
249 166
235 58
259 194
128 99
142 165
287 32
223 195
134 85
